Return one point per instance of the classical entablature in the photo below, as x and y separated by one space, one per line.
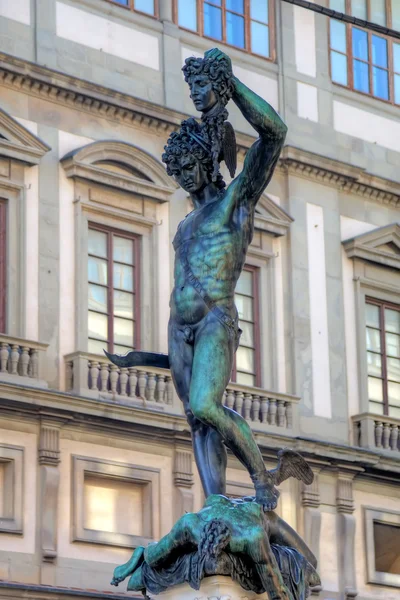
271 218
381 246
18 143
120 165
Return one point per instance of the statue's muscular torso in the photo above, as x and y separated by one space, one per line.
215 239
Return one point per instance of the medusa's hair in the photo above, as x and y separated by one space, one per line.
190 140
218 72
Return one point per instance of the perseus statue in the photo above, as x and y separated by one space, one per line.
210 250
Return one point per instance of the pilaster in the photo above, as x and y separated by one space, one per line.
183 481
311 501
346 534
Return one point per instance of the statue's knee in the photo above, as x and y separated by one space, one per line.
202 411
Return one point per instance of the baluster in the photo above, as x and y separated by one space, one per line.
24 362
169 390
69 375
104 372
123 380
264 409
394 438
94 370
142 384
272 411
289 415
4 357
132 382
238 402
386 435
281 413
34 364
256 409
230 398
114 378
14 358
224 398
247 406
378 434
160 389
151 386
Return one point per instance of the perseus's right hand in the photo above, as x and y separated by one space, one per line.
217 54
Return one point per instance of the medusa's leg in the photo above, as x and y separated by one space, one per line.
282 534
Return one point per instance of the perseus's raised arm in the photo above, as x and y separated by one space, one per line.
263 155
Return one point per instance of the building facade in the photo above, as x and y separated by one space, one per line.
94 459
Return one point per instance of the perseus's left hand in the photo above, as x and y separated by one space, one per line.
217 54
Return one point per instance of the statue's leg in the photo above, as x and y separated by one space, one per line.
282 534
185 532
267 568
208 447
122 571
212 365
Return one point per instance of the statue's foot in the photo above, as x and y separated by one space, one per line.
267 495
122 572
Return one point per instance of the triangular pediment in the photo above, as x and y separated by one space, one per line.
17 142
271 217
381 245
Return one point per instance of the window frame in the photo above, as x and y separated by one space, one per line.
350 58
382 304
3 265
386 517
255 270
111 231
247 27
131 8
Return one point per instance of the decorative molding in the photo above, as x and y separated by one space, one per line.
270 217
49 444
144 175
183 469
310 495
18 143
344 494
12 461
381 246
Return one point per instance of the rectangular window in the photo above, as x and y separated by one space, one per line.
148 7
3 265
383 357
246 369
362 60
382 541
113 290
245 24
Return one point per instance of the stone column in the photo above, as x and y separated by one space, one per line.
310 498
346 534
183 480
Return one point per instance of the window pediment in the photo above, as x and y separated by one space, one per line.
19 143
270 217
120 165
381 245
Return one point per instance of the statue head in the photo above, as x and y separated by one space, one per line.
209 80
188 158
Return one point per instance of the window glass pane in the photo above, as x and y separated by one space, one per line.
360 44
373 340
247 337
123 250
259 39
97 325
245 307
245 379
97 243
396 15
235 5
187 14
146 6
212 21
394 412
118 349
123 332
392 344
235 30
97 298
339 68
339 5
359 9
95 347
396 57
245 283
338 36
361 76
97 270
374 364
378 12
259 10
394 393
397 89
393 369
216 2
379 51
245 359
376 408
123 304
381 83
375 389
124 2
392 320
123 277
372 315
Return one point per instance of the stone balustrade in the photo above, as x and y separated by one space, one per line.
20 358
94 376
377 432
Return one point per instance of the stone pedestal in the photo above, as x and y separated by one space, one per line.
212 588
